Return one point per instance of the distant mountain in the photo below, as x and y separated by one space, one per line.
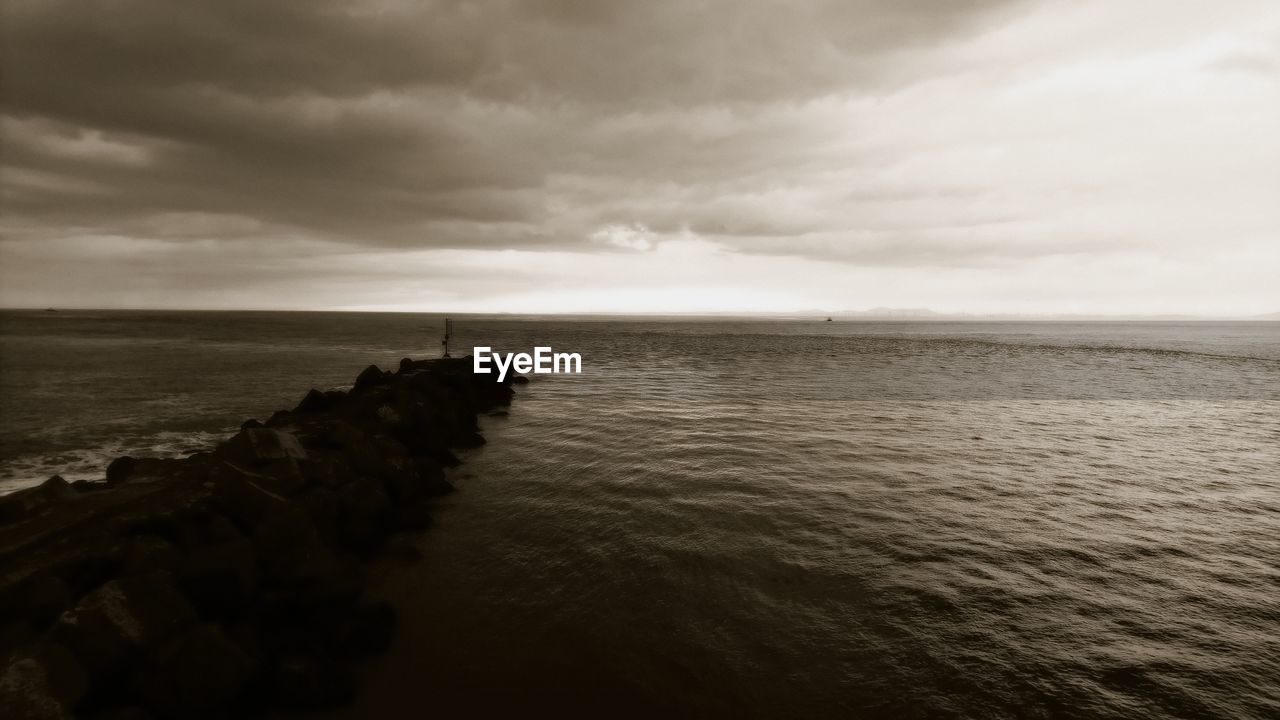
886 312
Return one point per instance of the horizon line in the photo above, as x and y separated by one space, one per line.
899 314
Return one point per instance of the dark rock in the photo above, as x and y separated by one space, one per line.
322 505
290 551
149 553
119 469
258 537
519 379
245 500
404 547
39 600
90 566
262 446
412 516
251 424
121 618
365 511
25 503
196 674
42 681
220 578
314 402
370 377
15 634
127 712
141 470
469 440
311 682
87 486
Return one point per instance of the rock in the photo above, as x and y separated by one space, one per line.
91 565
121 618
246 501
404 547
370 377
42 682
388 415
322 505
519 380
469 440
290 551
15 634
25 503
310 682
139 470
220 578
39 600
314 402
194 675
262 446
365 511
256 541
126 712
149 553
119 469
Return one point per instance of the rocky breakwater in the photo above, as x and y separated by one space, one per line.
229 583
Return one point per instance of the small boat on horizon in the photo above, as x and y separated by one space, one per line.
828 319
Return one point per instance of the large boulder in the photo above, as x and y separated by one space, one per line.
121 618
370 377
41 682
314 402
245 498
25 503
220 578
119 469
38 600
290 551
262 446
198 674
365 513
149 553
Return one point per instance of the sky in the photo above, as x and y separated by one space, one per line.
666 156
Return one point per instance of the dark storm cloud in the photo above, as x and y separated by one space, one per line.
423 124
652 155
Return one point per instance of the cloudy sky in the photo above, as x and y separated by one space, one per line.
1090 156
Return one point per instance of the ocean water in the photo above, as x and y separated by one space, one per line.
765 519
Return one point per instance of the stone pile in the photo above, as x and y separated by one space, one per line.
229 583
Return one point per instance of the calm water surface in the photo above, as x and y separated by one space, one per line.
770 519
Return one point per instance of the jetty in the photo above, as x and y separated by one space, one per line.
231 583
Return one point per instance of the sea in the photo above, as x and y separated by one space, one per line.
771 518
